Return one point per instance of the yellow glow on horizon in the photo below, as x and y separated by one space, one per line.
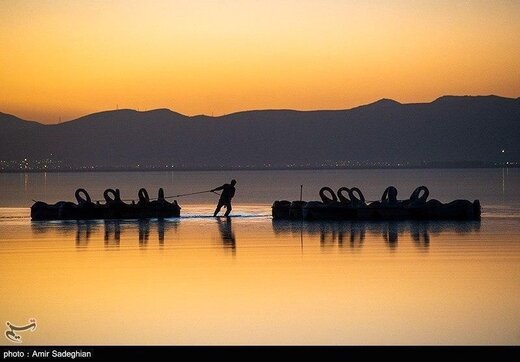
65 59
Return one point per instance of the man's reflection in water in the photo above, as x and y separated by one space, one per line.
144 231
112 232
226 233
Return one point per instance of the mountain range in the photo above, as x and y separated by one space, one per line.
451 129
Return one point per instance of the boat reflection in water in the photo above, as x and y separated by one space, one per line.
112 232
329 233
354 233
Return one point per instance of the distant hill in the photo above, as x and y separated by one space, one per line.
449 129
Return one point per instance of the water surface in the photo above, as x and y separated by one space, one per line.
251 280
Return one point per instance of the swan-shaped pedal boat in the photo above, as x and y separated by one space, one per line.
112 208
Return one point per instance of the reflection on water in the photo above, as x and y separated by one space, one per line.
341 234
84 231
353 234
226 232
144 232
112 230
250 280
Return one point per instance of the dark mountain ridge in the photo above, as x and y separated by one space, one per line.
449 129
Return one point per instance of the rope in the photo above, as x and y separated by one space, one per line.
191 193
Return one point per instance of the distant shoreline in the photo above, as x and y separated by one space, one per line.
411 167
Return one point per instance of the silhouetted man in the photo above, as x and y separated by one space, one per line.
228 191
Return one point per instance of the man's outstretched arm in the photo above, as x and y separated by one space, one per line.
219 188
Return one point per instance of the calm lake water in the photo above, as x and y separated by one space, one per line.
250 280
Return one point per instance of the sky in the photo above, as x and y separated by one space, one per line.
63 59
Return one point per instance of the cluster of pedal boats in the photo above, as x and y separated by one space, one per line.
113 207
350 204
346 204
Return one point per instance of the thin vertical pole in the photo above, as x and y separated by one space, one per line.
301 228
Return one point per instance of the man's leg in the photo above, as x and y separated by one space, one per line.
228 208
219 206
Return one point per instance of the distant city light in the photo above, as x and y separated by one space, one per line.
503 151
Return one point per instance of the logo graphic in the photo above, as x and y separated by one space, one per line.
11 334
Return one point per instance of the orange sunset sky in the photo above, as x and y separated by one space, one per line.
70 58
